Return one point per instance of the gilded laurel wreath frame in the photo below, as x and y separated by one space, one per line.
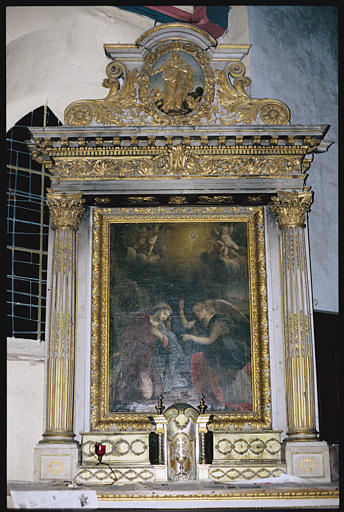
105 420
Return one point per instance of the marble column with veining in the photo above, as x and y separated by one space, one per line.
291 209
65 213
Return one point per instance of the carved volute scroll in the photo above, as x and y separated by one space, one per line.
176 82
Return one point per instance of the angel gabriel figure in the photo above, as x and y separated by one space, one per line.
221 370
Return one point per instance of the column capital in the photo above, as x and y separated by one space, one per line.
291 207
65 209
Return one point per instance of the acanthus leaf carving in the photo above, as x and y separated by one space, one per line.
243 109
176 161
119 103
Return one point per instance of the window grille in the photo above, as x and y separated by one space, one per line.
27 230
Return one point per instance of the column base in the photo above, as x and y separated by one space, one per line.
55 461
308 459
58 437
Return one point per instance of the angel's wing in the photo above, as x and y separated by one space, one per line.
226 308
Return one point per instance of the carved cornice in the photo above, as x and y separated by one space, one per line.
291 207
176 152
65 210
67 141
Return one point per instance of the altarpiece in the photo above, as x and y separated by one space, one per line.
179 326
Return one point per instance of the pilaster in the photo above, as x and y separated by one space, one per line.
58 449
291 209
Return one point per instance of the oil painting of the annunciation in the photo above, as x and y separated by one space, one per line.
182 301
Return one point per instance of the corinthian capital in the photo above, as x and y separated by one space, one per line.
291 207
65 209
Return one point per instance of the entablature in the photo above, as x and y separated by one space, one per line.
177 119
171 158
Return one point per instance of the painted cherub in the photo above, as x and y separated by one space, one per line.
227 248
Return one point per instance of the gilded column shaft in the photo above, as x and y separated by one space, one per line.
291 208
65 212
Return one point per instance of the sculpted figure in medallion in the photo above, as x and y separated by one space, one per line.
178 96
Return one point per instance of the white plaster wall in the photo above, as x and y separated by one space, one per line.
55 55
294 59
25 379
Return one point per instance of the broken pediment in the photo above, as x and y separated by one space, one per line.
176 74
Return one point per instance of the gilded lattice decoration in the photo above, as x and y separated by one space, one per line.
134 448
105 475
247 473
254 447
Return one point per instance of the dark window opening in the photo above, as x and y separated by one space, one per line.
27 230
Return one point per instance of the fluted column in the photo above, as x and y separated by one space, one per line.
65 212
291 208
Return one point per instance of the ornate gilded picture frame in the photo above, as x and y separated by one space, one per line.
179 308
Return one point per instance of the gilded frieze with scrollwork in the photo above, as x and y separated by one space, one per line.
177 162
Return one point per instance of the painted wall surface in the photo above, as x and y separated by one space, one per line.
294 59
59 52
24 416
56 55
